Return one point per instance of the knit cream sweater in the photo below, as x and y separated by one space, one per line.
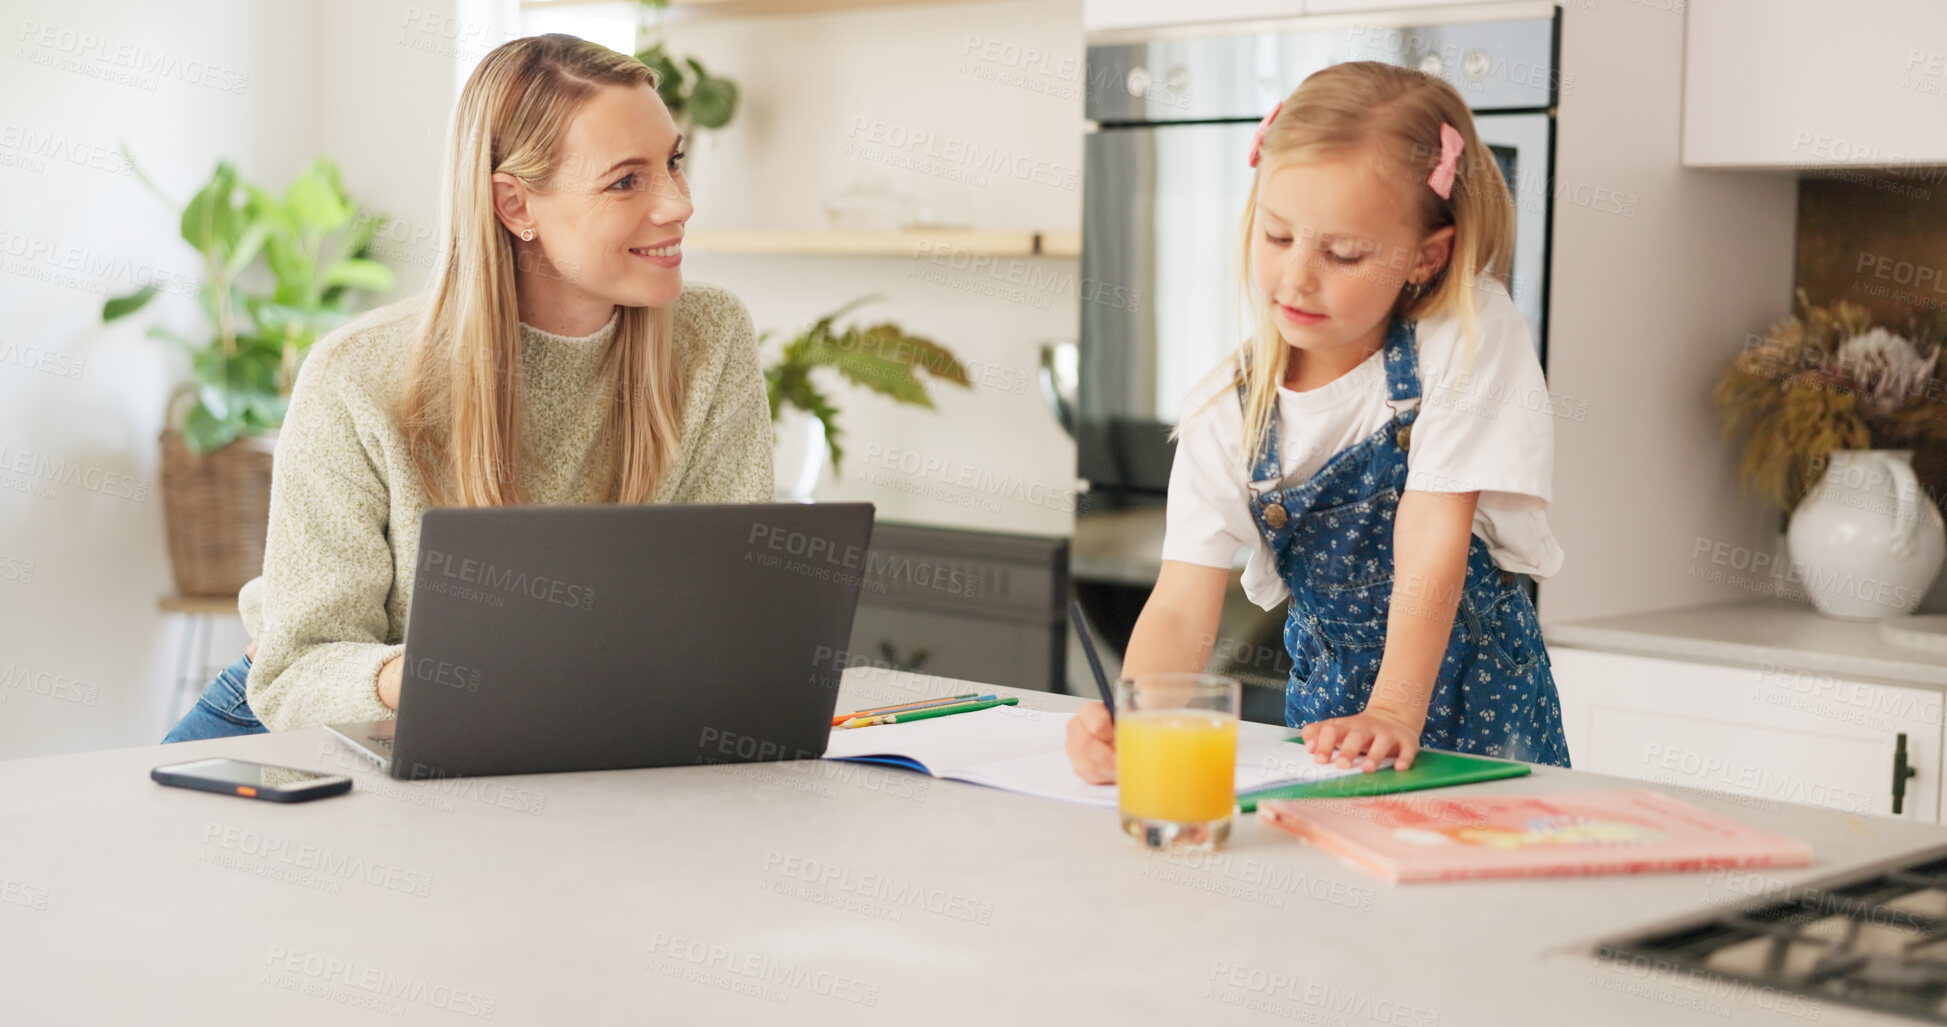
330 607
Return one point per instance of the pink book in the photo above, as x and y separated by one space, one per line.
1421 837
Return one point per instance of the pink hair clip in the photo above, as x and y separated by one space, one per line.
1443 173
1262 127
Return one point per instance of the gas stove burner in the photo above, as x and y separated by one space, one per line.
1889 980
1875 938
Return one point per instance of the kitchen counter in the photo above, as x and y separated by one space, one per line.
808 893
1123 547
1764 632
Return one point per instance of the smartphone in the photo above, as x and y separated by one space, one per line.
252 780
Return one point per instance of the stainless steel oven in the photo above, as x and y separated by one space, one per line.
1165 178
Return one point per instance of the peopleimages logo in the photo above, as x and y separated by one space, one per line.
452 574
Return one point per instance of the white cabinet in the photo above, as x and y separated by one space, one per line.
1100 15
1756 735
1784 83
1338 6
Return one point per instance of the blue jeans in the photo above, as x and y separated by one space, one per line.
222 711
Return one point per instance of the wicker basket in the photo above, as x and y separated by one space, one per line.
216 508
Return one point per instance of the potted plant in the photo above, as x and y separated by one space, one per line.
882 357
696 98
220 428
1829 407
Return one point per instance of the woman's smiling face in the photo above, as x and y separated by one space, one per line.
608 226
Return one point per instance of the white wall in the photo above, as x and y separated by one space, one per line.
1644 313
268 86
817 90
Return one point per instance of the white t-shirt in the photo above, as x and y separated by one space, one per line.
1488 429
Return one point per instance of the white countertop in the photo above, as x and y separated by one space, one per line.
1765 631
592 898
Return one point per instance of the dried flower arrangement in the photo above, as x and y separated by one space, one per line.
1828 379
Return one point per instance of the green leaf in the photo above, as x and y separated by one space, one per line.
215 399
357 238
291 268
210 221
669 77
357 273
269 208
205 433
249 244
122 306
315 202
713 102
815 403
196 229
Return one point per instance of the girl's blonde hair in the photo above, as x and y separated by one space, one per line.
1395 114
458 409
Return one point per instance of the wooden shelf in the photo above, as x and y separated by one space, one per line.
1060 244
698 9
915 242
197 604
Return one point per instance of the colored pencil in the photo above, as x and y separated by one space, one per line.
1094 662
903 706
937 711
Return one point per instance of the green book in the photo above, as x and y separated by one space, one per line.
1431 769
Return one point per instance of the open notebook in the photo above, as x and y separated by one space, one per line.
1020 750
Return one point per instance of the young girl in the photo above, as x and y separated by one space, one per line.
558 358
1382 443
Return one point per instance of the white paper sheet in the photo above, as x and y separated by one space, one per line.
1020 750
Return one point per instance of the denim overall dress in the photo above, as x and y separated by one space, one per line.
1332 541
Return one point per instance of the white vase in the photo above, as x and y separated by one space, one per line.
1865 542
800 457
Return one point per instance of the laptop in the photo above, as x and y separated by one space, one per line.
544 639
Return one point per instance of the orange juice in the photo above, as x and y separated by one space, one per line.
1178 765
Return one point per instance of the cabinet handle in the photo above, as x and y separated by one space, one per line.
1901 772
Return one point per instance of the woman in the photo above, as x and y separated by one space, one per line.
557 358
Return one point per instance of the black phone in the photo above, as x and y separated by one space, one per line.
252 780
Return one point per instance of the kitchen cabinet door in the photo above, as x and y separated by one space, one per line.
1104 15
977 606
1340 6
1786 83
1761 736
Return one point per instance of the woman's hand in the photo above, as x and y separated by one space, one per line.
1374 733
1091 744
390 676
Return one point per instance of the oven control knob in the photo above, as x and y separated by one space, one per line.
1138 81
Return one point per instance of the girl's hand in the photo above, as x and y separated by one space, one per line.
1091 744
391 676
1374 733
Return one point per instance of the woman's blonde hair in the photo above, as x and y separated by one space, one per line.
459 409
1394 114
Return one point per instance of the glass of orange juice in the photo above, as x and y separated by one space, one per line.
1176 758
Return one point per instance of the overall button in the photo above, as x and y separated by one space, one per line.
1507 577
1274 515
1404 436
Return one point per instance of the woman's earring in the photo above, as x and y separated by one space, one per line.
527 234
